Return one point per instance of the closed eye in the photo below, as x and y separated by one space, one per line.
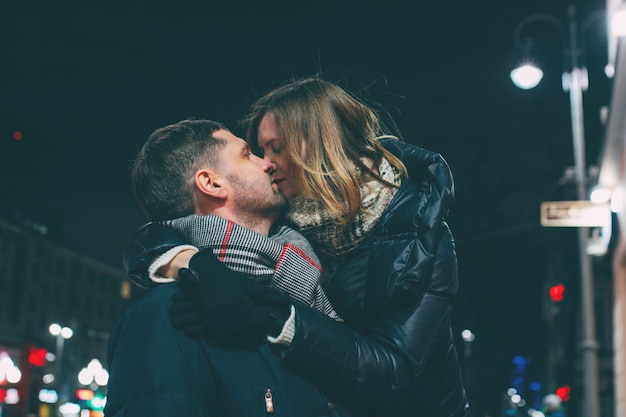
246 152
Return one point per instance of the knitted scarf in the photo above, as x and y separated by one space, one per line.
334 241
284 260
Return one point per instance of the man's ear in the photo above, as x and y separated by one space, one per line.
209 183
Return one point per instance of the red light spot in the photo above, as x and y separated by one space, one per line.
17 135
3 394
557 292
37 356
563 392
84 394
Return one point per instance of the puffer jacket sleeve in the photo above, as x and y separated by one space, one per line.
146 244
410 302
154 369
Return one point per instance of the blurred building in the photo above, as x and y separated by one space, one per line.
42 283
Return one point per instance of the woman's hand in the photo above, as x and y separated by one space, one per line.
223 305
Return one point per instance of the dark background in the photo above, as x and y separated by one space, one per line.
85 84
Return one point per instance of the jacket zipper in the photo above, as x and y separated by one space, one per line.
269 404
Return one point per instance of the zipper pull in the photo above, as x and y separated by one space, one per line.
269 404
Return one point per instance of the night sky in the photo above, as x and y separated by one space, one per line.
85 85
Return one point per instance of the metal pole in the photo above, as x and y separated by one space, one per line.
589 345
62 397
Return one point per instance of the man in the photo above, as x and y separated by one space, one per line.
199 167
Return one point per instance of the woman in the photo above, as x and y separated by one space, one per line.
374 209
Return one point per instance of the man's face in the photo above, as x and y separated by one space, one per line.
251 184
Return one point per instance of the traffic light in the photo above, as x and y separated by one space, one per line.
557 292
37 356
553 299
563 392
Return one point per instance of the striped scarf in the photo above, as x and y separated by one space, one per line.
284 260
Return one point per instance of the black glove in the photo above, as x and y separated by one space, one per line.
217 303
273 305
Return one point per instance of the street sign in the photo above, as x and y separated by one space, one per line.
580 213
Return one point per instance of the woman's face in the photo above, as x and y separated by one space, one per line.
269 140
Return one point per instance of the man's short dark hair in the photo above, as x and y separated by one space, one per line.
162 173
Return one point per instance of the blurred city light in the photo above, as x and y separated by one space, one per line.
468 336
98 402
56 330
94 372
69 409
84 394
12 397
48 396
8 371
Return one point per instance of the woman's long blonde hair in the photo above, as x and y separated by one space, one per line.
324 133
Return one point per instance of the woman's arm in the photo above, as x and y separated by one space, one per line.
147 244
377 366
180 260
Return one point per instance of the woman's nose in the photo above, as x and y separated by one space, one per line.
268 165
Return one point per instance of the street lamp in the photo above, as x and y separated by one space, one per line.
574 82
62 333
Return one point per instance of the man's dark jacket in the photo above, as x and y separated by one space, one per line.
395 354
157 371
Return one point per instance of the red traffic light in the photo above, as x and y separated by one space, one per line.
563 392
37 356
557 292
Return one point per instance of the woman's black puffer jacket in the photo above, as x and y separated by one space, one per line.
397 356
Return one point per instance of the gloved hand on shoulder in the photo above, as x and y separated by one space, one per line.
273 305
225 306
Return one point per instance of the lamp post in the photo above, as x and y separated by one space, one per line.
574 83
61 333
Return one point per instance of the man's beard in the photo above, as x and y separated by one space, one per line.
252 202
